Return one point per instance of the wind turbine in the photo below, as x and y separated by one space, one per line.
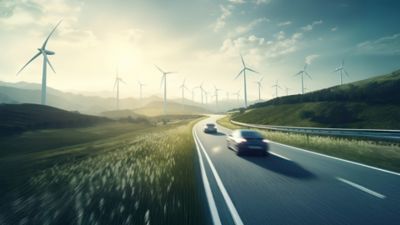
259 85
287 91
164 81
116 84
201 92
276 86
183 87
243 71
216 94
340 70
301 73
43 51
140 89
237 94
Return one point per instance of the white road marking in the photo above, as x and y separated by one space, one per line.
332 157
280 156
210 198
364 189
235 215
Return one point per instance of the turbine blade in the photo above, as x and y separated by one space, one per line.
307 74
239 73
33 58
244 65
120 79
48 62
342 63
247 68
298 73
347 74
115 84
159 69
162 81
51 33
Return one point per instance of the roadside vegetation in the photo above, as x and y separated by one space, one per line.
375 153
108 174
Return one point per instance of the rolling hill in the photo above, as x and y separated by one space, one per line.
156 109
17 118
370 103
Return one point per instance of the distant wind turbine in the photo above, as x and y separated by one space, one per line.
276 86
259 85
301 73
140 89
43 51
164 81
201 92
116 84
216 94
287 91
237 94
340 70
243 71
183 88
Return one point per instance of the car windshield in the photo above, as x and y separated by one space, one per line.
250 134
210 125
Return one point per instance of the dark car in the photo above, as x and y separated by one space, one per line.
247 142
210 128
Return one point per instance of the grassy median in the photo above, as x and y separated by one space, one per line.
381 154
144 175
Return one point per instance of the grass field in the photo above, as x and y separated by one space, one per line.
110 174
380 154
326 114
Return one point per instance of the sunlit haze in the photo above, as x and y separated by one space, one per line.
201 40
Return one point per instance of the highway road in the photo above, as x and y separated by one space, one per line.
292 186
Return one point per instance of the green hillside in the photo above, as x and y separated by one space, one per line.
17 118
370 103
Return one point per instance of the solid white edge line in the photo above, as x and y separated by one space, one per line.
210 198
280 156
332 157
235 215
364 189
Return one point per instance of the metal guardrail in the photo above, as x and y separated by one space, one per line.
377 134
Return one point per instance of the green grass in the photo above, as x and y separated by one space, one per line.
138 176
380 154
325 114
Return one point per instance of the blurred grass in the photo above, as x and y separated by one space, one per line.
140 175
381 154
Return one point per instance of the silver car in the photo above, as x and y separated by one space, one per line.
247 142
210 128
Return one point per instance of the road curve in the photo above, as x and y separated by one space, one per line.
292 186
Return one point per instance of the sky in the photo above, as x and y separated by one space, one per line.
201 40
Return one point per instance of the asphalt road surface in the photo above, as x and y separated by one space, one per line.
292 186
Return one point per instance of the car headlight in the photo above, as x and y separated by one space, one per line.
240 140
265 141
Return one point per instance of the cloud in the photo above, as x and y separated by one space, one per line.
286 23
388 45
259 2
248 27
237 1
260 49
310 58
225 13
333 29
309 27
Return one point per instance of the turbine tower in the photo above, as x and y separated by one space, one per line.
201 92
340 70
243 71
116 84
140 89
259 85
276 86
43 51
287 91
301 73
164 81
